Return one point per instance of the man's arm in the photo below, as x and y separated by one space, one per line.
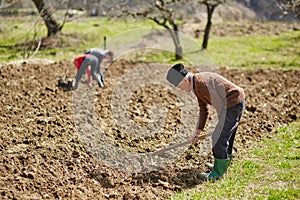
101 74
202 119
203 115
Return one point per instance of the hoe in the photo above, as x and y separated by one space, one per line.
174 146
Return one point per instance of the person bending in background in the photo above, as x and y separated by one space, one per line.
87 63
100 54
229 101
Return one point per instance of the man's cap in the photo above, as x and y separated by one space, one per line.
176 74
110 53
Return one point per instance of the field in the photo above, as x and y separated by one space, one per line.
48 150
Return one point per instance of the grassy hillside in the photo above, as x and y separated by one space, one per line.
78 35
263 51
260 51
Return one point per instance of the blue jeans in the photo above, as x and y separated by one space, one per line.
224 133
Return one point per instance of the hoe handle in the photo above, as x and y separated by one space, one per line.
188 141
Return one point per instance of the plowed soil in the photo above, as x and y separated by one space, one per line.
42 156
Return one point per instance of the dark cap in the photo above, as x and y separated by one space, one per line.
110 53
176 74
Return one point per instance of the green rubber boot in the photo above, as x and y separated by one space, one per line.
210 165
219 169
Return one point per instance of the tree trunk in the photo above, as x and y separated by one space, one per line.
174 34
178 48
178 54
53 28
210 10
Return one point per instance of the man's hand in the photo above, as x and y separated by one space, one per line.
195 138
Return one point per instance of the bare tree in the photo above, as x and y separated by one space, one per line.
53 27
210 8
162 13
290 6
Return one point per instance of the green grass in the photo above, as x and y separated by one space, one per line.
269 171
252 52
262 51
78 35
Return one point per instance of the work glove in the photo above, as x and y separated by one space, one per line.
100 84
75 84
